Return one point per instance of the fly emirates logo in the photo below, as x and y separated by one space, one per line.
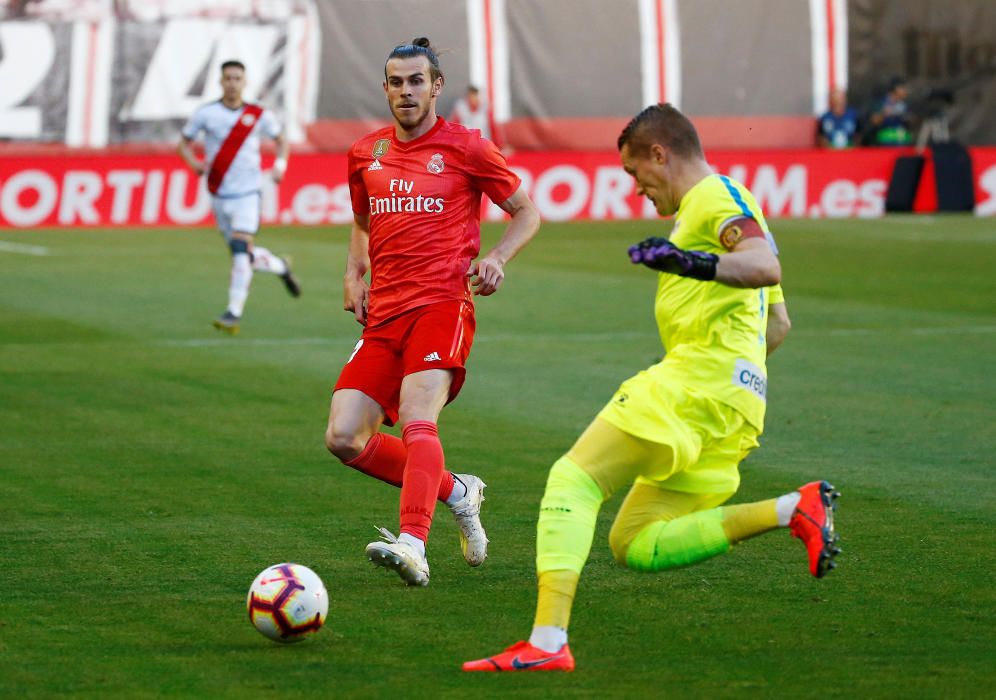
401 201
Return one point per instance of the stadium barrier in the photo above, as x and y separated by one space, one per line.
63 187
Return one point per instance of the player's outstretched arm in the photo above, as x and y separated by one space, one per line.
751 264
355 289
187 153
489 271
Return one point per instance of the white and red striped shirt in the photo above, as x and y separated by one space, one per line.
216 120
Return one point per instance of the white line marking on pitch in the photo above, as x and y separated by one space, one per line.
575 337
497 337
938 330
8 247
215 342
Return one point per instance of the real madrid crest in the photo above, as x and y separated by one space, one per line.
435 164
380 148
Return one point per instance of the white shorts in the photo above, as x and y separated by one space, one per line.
237 214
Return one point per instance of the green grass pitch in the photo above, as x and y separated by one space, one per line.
151 467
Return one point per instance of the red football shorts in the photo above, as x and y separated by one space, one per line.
436 336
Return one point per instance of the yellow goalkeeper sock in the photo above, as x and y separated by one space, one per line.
668 544
698 536
563 540
555 598
746 520
567 518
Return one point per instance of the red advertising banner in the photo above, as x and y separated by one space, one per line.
156 189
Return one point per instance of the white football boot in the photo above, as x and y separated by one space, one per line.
467 512
400 556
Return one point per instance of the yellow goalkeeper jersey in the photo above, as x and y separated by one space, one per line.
714 334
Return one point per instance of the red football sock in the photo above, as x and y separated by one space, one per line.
423 475
384 457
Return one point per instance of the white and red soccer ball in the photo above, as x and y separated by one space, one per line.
287 602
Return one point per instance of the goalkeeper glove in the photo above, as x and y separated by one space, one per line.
662 255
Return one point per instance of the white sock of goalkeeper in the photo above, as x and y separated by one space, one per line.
548 638
785 507
238 287
265 261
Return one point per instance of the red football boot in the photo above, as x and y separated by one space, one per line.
523 656
812 523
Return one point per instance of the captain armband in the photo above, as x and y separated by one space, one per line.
738 229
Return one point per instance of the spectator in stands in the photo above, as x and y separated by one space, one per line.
891 118
839 125
473 112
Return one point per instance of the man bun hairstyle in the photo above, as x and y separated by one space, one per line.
420 46
232 63
663 124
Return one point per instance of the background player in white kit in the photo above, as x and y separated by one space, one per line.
473 112
232 131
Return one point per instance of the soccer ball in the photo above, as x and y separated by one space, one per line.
287 602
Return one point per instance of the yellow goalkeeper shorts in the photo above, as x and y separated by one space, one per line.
702 441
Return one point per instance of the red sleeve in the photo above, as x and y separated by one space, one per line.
357 188
490 172
736 230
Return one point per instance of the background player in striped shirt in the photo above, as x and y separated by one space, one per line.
473 112
676 432
232 132
416 191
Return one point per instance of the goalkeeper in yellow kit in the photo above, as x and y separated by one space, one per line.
676 432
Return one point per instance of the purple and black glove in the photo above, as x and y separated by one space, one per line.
662 255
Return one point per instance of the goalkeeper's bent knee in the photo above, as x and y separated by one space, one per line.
567 518
680 542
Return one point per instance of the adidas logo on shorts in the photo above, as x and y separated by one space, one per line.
433 357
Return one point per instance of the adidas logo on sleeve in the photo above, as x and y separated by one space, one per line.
432 357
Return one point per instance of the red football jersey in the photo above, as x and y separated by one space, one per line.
424 202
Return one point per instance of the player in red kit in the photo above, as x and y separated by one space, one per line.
416 191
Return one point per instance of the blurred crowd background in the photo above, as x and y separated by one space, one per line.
553 74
